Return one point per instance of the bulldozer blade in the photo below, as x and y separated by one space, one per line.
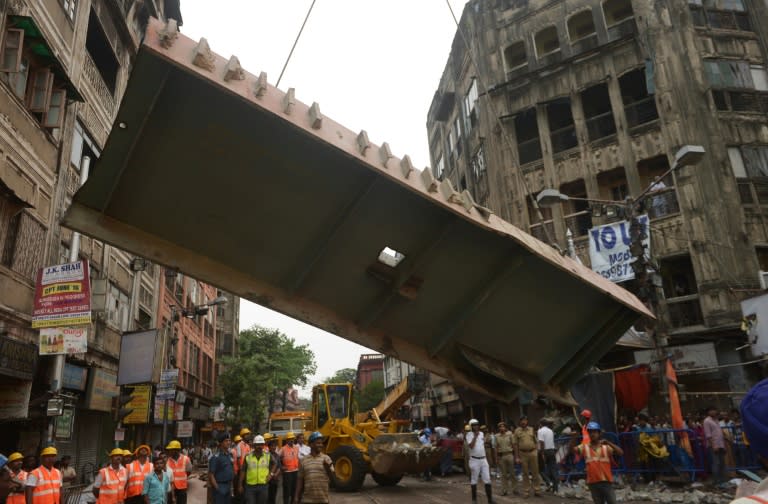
397 454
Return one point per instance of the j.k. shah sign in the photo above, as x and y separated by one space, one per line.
609 249
62 296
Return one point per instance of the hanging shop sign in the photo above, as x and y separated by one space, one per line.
166 389
141 399
75 377
140 357
64 423
184 429
175 411
17 359
63 340
62 296
102 388
609 250
14 400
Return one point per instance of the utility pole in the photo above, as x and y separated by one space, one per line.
74 252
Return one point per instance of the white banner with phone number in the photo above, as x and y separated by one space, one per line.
609 250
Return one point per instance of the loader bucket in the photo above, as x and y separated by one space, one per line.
397 454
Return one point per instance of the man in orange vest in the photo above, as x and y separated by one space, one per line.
597 455
43 485
18 479
181 467
109 485
137 471
289 466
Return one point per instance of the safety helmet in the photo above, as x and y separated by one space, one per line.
50 450
13 457
467 428
586 413
237 439
258 440
473 421
315 436
290 435
127 453
244 431
116 452
268 436
173 445
593 426
145 447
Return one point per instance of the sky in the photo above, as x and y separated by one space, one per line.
370 64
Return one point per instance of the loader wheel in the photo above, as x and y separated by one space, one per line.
386 479
349 469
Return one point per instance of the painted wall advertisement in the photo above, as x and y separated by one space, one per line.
141 399
609 250
63 340
62 296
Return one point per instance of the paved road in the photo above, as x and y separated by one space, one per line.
450 490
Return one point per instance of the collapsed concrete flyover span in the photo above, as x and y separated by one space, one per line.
211 170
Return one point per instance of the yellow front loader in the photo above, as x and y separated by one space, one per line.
365 447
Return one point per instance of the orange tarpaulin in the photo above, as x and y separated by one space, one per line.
674 403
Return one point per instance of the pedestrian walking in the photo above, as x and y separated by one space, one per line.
546 437
257 471
270 447
18 479
289 466
478 463
526 452
138 470
221 472
43 485
109 485
315 474
715 445
505 445
597 455
181 468
157 485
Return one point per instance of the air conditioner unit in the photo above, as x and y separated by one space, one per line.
763 277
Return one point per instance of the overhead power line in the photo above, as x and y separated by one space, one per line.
298 36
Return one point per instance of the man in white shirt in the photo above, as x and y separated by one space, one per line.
546 438
478 463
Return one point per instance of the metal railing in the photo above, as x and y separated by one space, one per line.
579 223
662 202
641 112
684 311
94 78
601 125
73 494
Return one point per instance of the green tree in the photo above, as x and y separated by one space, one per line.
370 396
268 364
346 375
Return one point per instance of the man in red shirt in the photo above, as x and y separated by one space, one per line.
597 455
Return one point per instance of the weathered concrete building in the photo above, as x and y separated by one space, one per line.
593 98
64 65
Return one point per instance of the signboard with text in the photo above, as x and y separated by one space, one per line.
175 411
102 388
63 340
184 429
75 377
14 400
141 399
18 359
609 250
62 296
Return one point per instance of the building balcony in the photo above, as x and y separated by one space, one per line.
748 101
99 87
684 311
624 29
550 58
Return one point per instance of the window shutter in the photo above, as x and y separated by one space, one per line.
10 58
40 90
54 117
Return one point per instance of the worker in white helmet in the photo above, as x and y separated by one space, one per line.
478 463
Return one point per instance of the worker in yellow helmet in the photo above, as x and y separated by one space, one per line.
18 479
181 467
109 485
43 485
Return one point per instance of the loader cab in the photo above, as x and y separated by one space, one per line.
331 402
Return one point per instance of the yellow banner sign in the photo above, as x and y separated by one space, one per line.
140 401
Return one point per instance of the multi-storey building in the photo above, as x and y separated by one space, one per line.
64 65
593 98
370 367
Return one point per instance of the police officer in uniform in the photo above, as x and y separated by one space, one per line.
526 452
505 446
